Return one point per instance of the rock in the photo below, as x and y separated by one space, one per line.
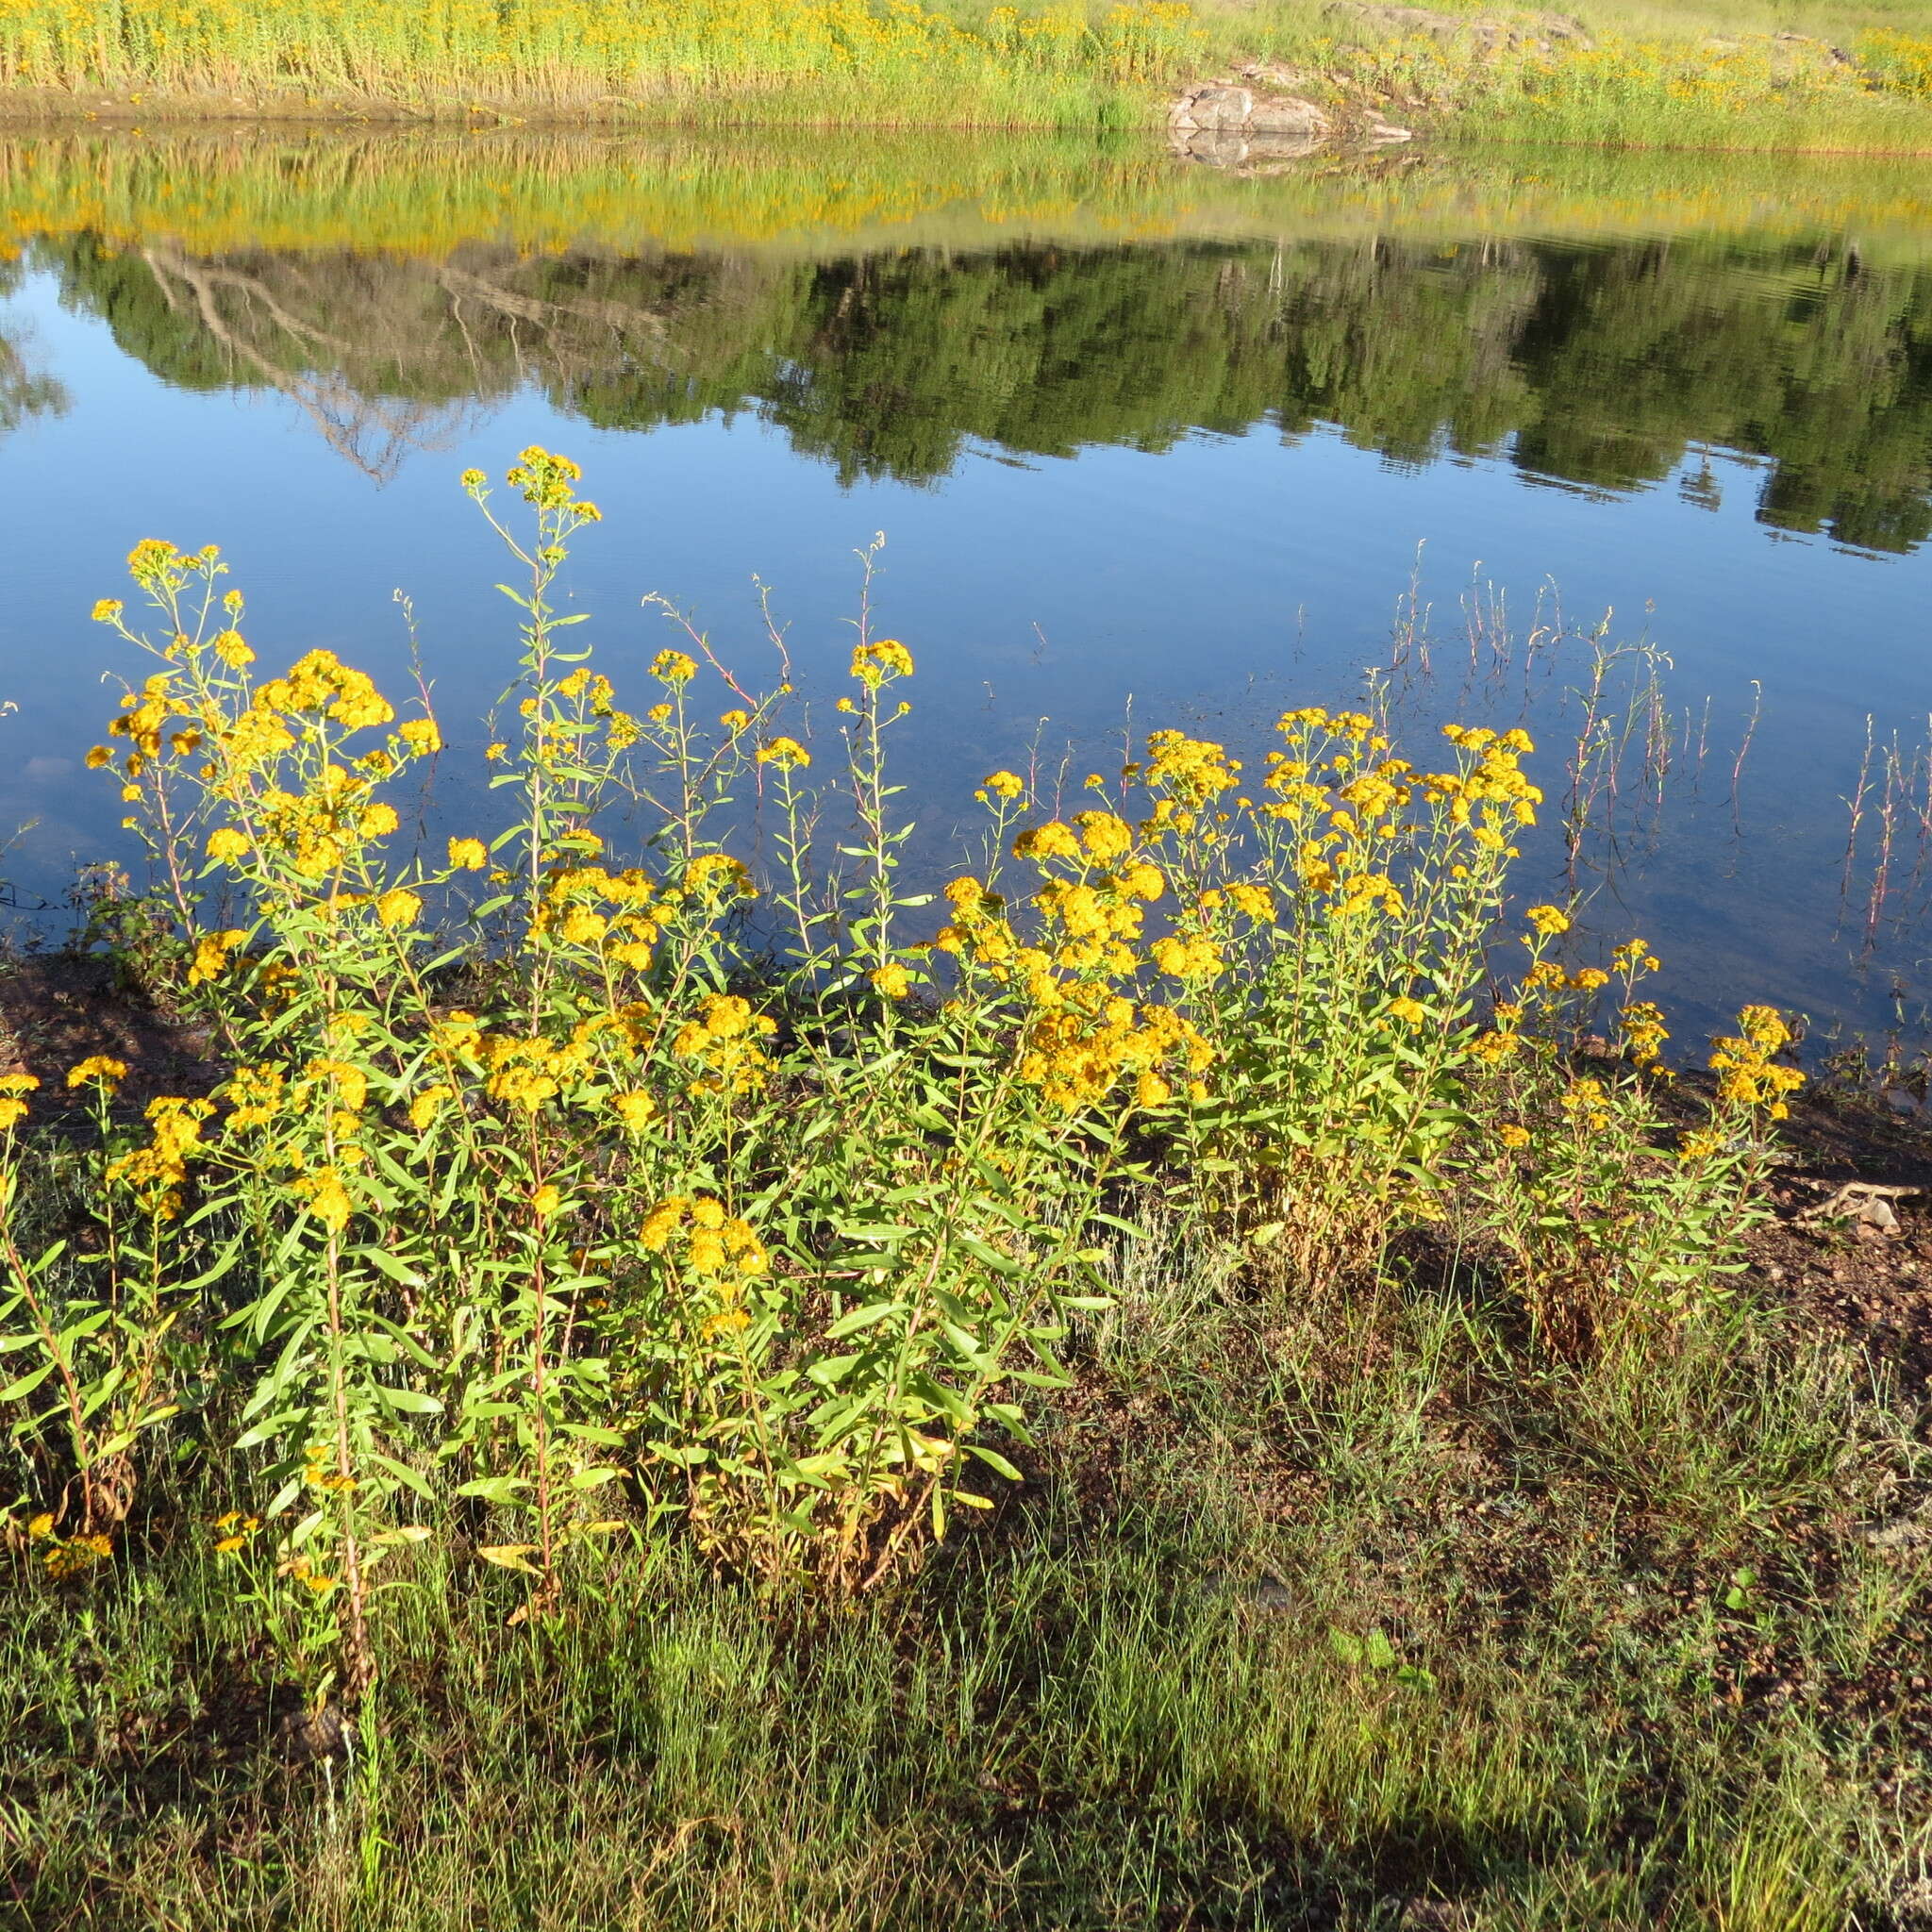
1377 133
1287 114
1910 1532
1226 124
1836 56
315 1737
1212 108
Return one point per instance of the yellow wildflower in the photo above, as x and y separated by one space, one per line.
397 907
99 1067
875 662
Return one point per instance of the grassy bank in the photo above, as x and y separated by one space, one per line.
632 1367
1659 75
1303 1619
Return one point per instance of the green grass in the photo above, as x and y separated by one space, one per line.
1305 1616
1700 74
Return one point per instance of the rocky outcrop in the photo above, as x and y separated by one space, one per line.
1219 107
1239 122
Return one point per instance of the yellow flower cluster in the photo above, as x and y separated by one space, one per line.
322 683
253 1094
1744 1065
212 950
786 753
1076 1055
722 1250
325 1195
543 480
725 1037
1588 1106
157 1173
874 664
232 1531
1642 1026
99 1069
13 1107
67 1556
612 914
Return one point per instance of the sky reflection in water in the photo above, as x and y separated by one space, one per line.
1180 482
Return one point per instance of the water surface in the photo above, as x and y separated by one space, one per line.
1145 441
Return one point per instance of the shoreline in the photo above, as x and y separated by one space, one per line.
187 115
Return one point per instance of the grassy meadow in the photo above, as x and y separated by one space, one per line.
1216 1368
1819 77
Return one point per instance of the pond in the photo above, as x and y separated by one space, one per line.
1149 442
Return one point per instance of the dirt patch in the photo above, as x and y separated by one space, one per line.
59 1008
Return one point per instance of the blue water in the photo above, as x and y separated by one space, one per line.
1048 599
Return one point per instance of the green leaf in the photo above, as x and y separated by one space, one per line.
863 1318
412 1479
408 1400
994 1460
16 1392
500 1490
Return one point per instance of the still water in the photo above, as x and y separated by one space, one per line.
1147 445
